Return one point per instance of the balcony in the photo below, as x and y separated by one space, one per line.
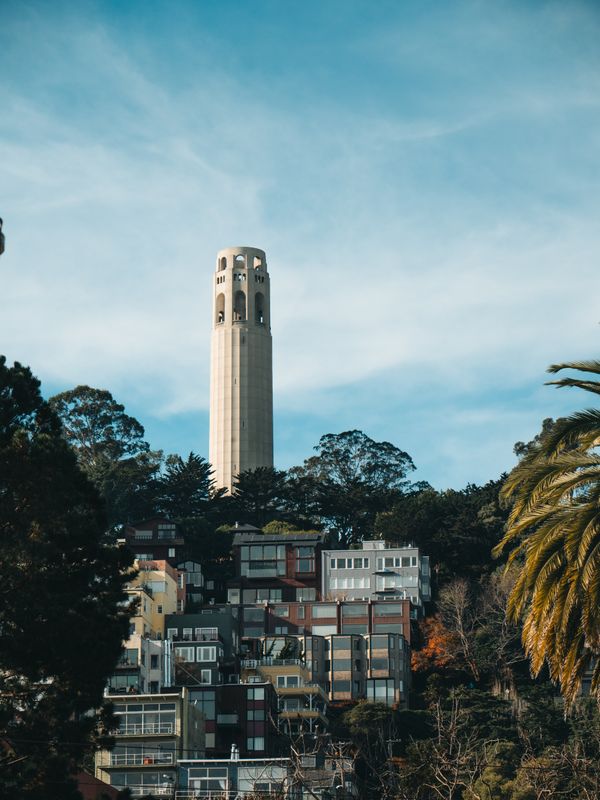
303 713
204 635
137 759
268 661
128 662
166 790
152 729
307 689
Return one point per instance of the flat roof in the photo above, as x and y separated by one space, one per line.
279 538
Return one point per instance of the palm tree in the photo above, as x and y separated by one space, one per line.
553 534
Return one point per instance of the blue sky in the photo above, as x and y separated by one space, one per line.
423 176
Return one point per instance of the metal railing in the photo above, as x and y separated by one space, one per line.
269 661
139 790
230 794
140 759
141 728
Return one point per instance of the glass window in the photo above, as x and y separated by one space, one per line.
300 612
341 686
388 609
282 611
288 680
320 611
354 610
332 563
343 664
254 615
380 663
324 630
185 653
256 694
355 627
304 595
389 627
255 743
206 654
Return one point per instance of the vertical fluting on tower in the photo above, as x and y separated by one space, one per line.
241 372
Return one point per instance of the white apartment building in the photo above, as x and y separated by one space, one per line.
377 571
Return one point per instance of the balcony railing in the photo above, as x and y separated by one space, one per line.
205 635
140 759
154 791
128 662
148 728
269 661
229 794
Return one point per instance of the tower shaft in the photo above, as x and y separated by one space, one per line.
241 372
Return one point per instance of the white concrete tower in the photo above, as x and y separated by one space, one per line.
241 372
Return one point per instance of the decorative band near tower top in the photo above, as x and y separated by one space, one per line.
241 371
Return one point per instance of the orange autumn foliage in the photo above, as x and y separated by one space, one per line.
439 646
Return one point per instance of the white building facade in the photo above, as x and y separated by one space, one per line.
377 571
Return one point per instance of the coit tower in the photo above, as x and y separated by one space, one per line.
241 372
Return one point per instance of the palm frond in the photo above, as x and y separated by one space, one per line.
581 366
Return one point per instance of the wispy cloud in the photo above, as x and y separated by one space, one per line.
430 232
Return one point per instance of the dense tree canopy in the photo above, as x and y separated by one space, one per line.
351 479
111 449
457 529
97 427
61 589
259 495
186 489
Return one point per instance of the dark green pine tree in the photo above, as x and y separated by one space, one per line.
258 495
62 618
187 488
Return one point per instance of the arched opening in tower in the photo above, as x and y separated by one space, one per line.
259 308
222 263
239 306
220 309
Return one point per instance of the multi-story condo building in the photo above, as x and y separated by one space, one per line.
153 732
240 715
144 666
378 570
275 567
204 645
156 539
281 661
192 576
325 618
334 667
235 777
